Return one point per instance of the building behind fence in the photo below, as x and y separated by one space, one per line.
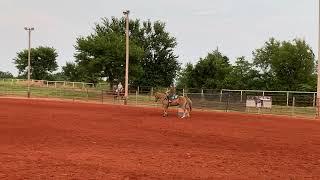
283 102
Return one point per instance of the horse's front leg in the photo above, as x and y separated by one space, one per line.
187 110
187 113
165 110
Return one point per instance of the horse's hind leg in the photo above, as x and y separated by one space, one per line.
188 111
185 110
184 113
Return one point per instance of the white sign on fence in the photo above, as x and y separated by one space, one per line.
259 101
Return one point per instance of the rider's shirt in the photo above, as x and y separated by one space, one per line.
120 88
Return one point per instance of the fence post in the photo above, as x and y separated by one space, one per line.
137 92
55 84
241 96
293 105
72 84
102 96
317 106
227 102
221 95
87 94
201 93
82 85
263 94
287 98
314 99
73 94
47 84
151 91
182 92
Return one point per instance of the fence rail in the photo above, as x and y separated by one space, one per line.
292 103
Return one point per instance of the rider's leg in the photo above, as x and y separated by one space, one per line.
169 98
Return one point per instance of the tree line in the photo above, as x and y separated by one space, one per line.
277 65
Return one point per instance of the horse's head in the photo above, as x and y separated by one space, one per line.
156 96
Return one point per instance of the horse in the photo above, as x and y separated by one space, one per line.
116 94
182 101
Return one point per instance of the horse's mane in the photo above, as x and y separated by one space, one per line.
160 93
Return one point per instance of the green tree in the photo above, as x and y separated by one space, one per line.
160 64
4 75
58 76
287 65
43 62
211 71
186 77
103 55
243 76
152 61
72 72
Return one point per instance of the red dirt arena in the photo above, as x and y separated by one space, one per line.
63 140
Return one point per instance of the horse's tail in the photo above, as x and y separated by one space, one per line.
189 103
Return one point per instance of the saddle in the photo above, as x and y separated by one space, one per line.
172 98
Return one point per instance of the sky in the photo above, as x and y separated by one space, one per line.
236 27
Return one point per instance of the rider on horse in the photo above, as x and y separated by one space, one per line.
119 88
171 93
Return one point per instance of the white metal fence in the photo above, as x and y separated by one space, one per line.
283 102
